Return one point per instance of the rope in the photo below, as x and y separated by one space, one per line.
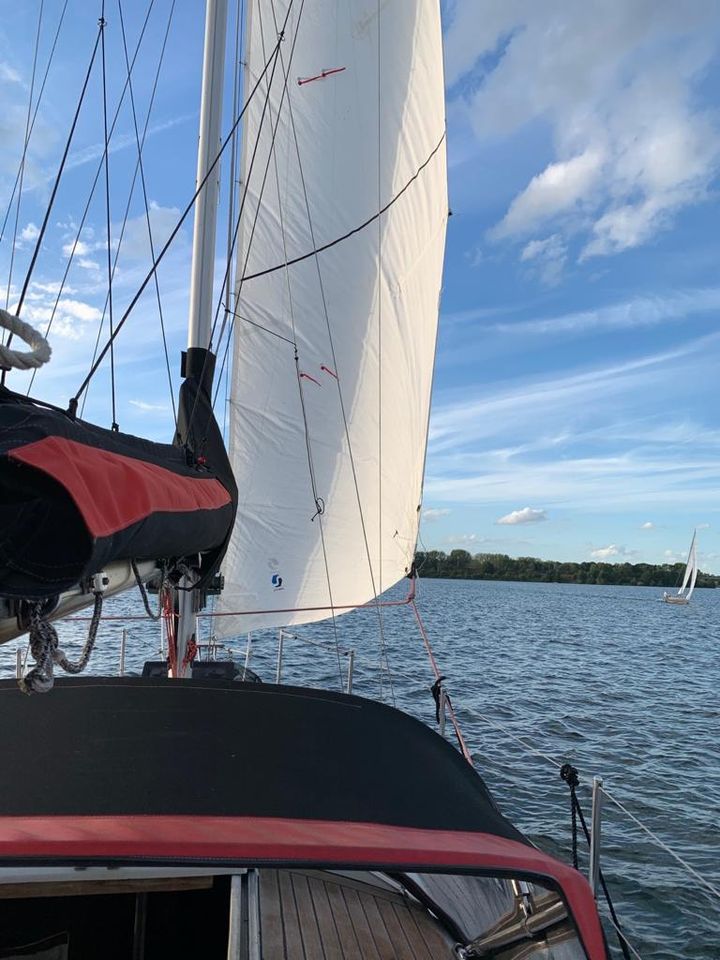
44 646
22 360
661 843
625 940
569 774
438 677
143 591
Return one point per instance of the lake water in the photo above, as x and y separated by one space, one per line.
607 678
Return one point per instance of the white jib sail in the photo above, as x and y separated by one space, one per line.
690 571
694 574
333 355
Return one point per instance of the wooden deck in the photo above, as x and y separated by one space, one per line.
307 915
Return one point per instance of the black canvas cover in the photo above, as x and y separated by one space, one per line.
221 748
75 497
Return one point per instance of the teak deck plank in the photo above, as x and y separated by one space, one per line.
309 929
311 916
271 920
325 920
358 918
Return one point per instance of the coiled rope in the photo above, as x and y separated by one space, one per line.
23 359
45 648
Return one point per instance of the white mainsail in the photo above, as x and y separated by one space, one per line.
691 571
333 355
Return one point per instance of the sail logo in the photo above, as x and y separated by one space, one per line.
276 581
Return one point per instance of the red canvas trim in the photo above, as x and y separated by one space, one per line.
271 839
113 491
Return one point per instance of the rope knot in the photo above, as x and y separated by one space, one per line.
45 648
569 774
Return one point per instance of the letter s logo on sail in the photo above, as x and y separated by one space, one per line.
276 581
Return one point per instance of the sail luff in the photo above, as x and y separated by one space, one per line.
311 472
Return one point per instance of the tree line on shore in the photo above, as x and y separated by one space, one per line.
462 565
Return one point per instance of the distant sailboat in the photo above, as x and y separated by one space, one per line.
689 577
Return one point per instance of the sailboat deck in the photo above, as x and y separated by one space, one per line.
338 918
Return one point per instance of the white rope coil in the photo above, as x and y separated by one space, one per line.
26 359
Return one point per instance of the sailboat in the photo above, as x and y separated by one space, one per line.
190 814
686 588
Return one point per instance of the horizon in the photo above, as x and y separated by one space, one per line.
578 345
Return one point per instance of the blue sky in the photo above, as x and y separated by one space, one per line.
575 396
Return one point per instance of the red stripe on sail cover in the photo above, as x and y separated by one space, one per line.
113 491
275 840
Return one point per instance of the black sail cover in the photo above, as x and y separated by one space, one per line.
75 497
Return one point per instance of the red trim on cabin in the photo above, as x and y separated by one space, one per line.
113 491
280 840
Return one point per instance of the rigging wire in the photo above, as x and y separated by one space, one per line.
234 173
48 211
661 843
91 194
177 227
131 192
103 24
337 379
24 153
248 176
140 144
381 624
34 117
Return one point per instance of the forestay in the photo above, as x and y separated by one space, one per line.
333 354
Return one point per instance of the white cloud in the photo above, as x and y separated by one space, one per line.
136 243
79 248
69 317
9 74
30 232
466 539
638 312
618 86
648 525
526 515
86 263
151 407
558 189
613 550
548 256
431 514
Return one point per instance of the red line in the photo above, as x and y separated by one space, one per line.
328 370
436 671
308 377
320 76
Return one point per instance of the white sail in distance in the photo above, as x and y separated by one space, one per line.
691 571
333 354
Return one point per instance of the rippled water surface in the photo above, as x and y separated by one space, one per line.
608 678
